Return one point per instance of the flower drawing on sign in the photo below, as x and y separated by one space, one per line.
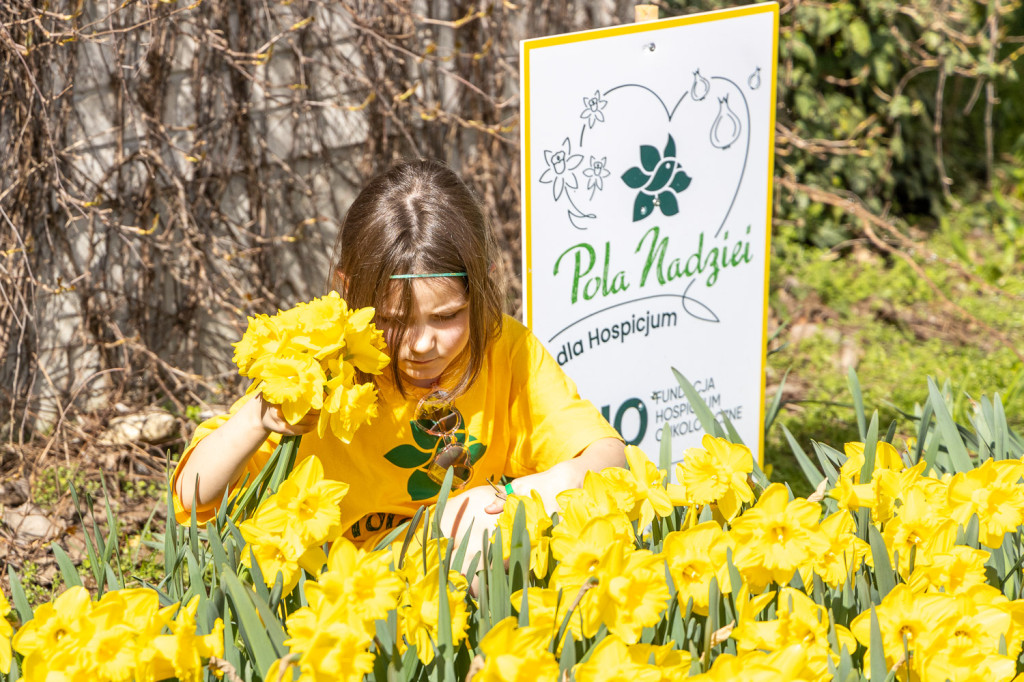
659 178
596 174
561 164
592 107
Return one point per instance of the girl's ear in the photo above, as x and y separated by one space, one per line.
339 281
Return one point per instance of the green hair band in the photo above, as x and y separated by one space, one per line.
430 274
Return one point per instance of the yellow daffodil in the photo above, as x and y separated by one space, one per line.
610 662
418 560
652 499
319 325
418 612
776 537
262 338
295 383
6 630
546 608
583 556
184 649
313 350
631 593
918 530
672 663
54 624
953 571
581 506
994 493
757 666
714 474
538 525
694 557
845 551
364 343
279 552
310 503
798 621
887 457
357 585
330 651
347 408
983 616
616 490
918 619
517 654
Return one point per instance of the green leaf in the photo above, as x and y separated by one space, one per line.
256 633
426 441
421 486
680 181
668 204
665 455
859 36
476 451
858 404
879 669
811 473
867 470
442 501
670 149
885 576
635 178
650 157
408 456
700 408
445 646
20 601
643 206
67 567
958 456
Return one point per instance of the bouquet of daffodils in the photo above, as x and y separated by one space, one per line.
306 358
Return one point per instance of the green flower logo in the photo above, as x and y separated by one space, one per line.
659 178
418 456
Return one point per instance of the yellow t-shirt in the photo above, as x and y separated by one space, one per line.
521 416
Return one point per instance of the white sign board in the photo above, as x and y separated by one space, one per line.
647 214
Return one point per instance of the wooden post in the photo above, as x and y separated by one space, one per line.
646 12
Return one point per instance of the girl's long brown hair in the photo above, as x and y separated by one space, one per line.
419 217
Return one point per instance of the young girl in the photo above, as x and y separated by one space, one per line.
467 387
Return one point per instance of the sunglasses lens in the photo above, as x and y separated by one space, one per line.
449 455
436 415
461 475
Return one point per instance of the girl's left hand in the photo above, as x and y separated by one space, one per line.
562 476
566 475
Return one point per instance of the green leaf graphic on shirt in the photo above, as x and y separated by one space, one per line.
476 451
420 486
408 456
426 441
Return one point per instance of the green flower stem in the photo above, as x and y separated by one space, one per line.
266 483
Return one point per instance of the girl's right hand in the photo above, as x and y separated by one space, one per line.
272 419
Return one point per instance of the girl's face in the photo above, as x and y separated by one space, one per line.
437 332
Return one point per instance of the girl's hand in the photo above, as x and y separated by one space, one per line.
602 453
563 476
271 418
